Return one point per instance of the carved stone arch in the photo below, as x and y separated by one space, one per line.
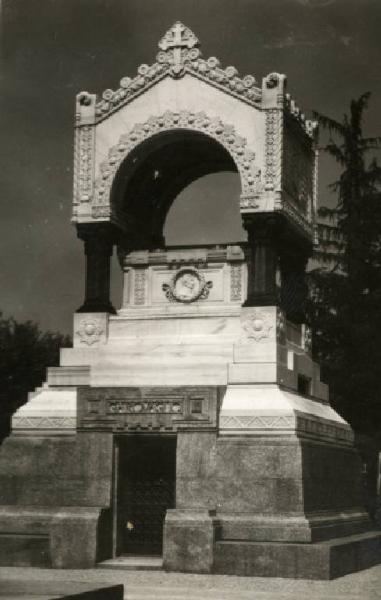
199 122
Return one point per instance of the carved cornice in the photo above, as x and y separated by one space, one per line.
291 109
297 217
225 134
179 54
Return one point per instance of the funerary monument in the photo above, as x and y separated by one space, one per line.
192 421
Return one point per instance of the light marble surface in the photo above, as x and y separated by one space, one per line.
48 410
258 409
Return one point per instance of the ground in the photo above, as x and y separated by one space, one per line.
158 585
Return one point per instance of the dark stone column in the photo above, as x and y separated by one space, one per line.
98 240
293 283
263 264
277 267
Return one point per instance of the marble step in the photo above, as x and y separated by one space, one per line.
133 563
147 353
163 373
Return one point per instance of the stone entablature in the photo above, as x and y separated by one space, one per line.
148 409
188 277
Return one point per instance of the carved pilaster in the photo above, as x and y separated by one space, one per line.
98 242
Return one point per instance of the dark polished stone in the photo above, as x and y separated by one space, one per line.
189 539
325 560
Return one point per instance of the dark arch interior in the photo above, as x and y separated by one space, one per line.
154 174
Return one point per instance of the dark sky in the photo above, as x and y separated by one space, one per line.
330 51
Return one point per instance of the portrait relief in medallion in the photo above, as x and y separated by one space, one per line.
187 285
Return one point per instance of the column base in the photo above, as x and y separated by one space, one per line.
97 307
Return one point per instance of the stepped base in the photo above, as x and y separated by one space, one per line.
323 560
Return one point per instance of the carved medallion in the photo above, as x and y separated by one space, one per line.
257 326
187 285
90 332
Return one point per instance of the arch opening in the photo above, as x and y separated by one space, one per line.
161 169
206 212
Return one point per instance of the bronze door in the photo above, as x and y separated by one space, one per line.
146 488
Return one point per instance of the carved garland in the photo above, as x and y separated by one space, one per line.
224 134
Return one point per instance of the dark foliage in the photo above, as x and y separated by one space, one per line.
345 302
25 353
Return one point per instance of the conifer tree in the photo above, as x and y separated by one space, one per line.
344 308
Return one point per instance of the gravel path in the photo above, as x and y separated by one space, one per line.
158 585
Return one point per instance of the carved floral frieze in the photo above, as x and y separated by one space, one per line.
235 282
273 149
83 165
140 286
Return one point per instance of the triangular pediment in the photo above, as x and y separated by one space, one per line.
179 54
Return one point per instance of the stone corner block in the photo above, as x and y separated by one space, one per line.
189 538
73 539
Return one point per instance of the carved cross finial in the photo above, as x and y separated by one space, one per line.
178 36
178 41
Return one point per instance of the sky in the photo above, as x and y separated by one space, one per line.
330 51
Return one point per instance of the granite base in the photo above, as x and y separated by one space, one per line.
323 560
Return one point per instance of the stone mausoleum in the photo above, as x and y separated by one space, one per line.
191 422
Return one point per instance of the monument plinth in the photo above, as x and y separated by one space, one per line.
191 421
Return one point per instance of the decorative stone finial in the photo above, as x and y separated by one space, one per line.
178 36
177 46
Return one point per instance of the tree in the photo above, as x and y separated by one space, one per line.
344 308
25 352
